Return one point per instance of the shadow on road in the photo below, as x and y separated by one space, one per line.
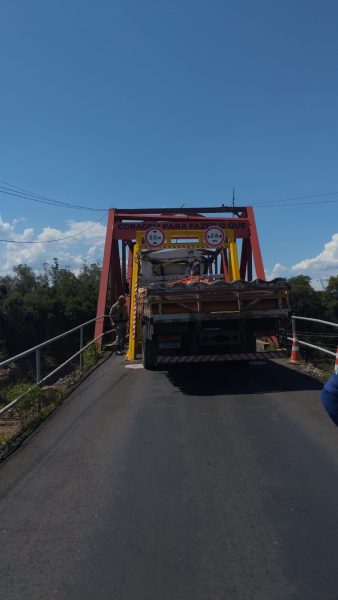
236 378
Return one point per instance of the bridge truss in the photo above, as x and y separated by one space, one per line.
124 236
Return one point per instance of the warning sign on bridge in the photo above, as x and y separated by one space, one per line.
214 237
154 237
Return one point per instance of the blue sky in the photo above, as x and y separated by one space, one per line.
129 103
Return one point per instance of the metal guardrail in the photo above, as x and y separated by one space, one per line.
37 350
325 350
314 320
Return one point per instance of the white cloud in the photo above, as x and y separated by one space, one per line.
87 244
48 233
6 229
319 268
322 265
277 271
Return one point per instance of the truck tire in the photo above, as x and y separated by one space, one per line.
149 354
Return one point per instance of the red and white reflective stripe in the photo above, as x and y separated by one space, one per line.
218 357
135 312
295 344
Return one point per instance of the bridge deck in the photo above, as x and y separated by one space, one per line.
201 483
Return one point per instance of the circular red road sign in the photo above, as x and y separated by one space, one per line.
214 237
154 237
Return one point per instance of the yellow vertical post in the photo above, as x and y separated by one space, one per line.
230 265
131 354
234 273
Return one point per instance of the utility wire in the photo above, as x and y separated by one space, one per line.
12 190
20 192
322 195
22 189
67 237
276 205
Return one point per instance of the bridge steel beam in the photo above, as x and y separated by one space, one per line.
124 225
256 250
105 272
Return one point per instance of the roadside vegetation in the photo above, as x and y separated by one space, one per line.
34 308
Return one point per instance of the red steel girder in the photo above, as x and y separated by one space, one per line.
126 230
103 289
256 250
183 211
124 223
176 218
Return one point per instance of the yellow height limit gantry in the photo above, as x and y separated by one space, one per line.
189 239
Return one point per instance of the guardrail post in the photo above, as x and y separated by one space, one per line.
293 326
38 365
81 346
294 358
38 374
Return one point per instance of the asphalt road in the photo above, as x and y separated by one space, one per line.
198 483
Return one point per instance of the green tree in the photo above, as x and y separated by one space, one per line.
34 308
331 299
304 300
25 279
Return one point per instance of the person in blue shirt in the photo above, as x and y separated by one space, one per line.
329 397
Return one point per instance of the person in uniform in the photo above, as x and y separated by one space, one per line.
119 319
195 268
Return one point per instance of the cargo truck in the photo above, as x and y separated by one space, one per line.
187 310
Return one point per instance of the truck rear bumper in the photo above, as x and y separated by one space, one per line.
195 358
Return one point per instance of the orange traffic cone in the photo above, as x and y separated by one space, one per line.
336 365
294 358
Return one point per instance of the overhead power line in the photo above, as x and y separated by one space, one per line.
305 197
19 192
277 205
10 189
67 237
